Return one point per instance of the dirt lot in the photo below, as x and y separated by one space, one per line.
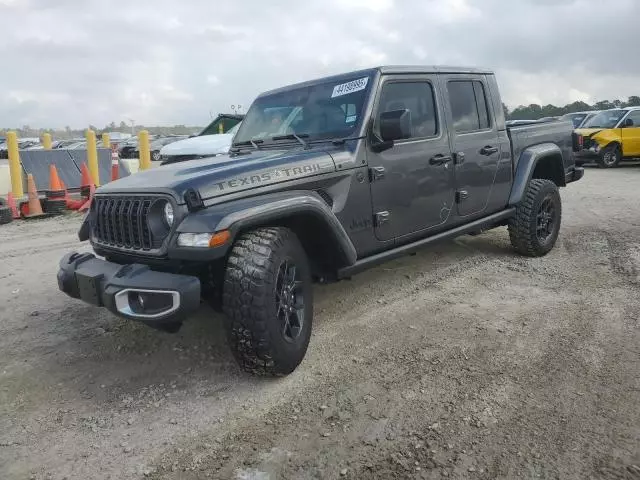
464 361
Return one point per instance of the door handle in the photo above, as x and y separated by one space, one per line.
440 159
488 150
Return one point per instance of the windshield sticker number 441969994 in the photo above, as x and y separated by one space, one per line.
350 87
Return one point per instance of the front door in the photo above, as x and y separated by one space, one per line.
412 183
631 135
474 141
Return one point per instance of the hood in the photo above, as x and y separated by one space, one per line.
221 175
200 145
587 132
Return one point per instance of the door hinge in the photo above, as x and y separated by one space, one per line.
376 173
461 195
381 218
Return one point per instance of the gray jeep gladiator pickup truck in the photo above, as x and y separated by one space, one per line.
323 179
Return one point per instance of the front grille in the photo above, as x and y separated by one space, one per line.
123 222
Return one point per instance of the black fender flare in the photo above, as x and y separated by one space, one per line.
240 215
529 159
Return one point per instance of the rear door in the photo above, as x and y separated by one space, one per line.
474 140
631 136
412 183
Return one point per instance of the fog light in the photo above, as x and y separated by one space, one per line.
147 303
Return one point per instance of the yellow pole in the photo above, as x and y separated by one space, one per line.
106 141
46 141
145 149
92 156
15 169
221 127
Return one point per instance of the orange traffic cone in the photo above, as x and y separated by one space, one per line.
56 203
35 208
86 182
55 185
11 202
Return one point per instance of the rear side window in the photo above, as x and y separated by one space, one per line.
635 117
418 98
469 108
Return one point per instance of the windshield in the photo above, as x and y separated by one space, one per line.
316 112
234 130
220 125
607 119
576 118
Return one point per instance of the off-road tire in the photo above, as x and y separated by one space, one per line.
523 227
155 156
255 331
610 156
5 215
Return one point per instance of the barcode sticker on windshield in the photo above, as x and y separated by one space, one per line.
350 87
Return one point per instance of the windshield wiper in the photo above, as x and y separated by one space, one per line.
252 142
341 141
293 136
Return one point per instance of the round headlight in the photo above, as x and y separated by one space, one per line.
168 213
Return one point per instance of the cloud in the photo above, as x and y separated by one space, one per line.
163 62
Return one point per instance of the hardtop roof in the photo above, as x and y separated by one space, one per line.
384 70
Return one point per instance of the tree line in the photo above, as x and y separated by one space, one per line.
535 111
67 132
522 112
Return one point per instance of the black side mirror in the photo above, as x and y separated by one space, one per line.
628 123
395 125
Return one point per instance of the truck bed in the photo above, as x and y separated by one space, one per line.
557 132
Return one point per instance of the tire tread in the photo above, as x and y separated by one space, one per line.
249 266
523 239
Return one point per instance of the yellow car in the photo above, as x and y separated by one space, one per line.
610 137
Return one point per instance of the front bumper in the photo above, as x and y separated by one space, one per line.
131 291
587 155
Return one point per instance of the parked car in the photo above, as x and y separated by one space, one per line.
512 123
610 137
360 168
23 144
222 124
577 118
127 148
157 144
118 137
207 143
63 144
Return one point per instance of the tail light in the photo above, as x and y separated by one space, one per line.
578 142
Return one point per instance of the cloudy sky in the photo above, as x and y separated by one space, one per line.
165 62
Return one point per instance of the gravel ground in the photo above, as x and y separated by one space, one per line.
463 361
